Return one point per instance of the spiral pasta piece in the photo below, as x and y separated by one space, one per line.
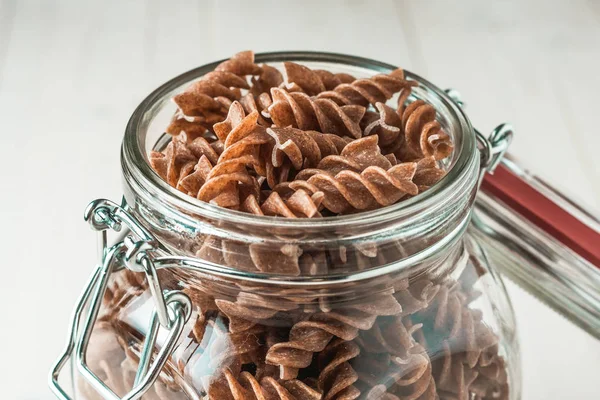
355 156
470 362
247 387
240 64
452 319
215 348
313 82
371 188
359 178
176 162
415 381
270 77
428 173
289 147
331 80
202 146
298 204
416 296
456 379
192 127
208 97
314 334
392 364
191 183
449 317
201 97
337 377
305 78
391 337
301 111
304 149
307 338
410 380
229 183
255 257
275 175
242 138
424 136
376 89
386 125
250 105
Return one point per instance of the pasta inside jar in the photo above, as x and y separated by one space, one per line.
324 202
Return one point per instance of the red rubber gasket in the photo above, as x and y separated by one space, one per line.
543 213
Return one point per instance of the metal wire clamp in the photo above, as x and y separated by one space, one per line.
172 310
492 148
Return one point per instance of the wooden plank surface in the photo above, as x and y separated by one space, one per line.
71 73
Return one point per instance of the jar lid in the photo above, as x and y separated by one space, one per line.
543 240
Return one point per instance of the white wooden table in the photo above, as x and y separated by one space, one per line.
71 73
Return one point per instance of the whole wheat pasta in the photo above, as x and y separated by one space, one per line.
345 89
356 156
415 380
301 111
359 178
240 64
455 379
309 81
386 125
376 89
220 348
314 334
192 127
202 146
304 149
278 154
313 82
374 187
207 99
428 173
192 182
455 326
175 162
416 296
331 80
250 105
298 204
270 77
201 97
393 365
337 377
246 387
242 138
424 136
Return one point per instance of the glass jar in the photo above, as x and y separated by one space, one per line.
193 301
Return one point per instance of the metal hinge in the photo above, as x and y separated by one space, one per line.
492 148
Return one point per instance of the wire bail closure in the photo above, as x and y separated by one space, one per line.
172 309
492 148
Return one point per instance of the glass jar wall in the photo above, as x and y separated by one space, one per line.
396 303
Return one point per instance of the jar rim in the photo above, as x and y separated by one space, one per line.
136 165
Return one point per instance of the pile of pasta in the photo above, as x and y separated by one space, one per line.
316 144
418 338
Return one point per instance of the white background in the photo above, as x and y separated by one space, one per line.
72 72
